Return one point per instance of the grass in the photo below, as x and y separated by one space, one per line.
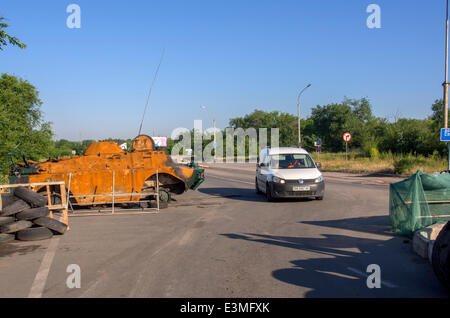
383 163
4 179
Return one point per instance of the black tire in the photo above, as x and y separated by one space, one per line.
51 224
162 204
34 234
319 198
14 208
5 238
6 219
440 257
31 197
256 187
164 196
32 214
8 199
15 226
269 194
144 205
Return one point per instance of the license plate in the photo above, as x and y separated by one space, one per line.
304 188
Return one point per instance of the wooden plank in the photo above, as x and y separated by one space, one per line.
56 207
433 216
115 195
64 204
2 186
49 200
430 202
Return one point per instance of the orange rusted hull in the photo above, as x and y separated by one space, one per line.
93 173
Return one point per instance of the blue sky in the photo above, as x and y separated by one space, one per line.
231 56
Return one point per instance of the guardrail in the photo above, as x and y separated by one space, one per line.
113 195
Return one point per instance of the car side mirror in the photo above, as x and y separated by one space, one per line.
318 165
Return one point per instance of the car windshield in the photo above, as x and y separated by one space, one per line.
291 161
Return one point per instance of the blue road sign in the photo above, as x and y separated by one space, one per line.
318 142
445 134
215 144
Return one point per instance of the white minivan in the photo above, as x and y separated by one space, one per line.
288 172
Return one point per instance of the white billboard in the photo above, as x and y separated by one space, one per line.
160 141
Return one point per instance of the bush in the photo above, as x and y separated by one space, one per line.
374 153
406 164
436 155
386 155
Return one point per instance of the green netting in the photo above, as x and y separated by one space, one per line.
419 201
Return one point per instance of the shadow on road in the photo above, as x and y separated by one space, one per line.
244 194
339 268
372 224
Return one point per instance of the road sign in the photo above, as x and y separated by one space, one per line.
347 137
445 134
160 141
318 142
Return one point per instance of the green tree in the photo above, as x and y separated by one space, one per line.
331 122
437 110
285 122
5 37
21 124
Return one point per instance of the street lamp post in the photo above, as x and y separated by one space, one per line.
214 124
298 106
445 84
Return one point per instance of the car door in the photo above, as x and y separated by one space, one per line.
258 169
264 171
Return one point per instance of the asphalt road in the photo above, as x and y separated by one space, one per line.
224 240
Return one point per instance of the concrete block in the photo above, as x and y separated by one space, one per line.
420 243
423 239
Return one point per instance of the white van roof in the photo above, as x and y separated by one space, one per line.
286 150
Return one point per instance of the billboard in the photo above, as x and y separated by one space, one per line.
160 141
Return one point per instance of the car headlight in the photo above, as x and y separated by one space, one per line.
319 179
278 180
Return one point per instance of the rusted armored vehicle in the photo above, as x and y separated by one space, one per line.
105 168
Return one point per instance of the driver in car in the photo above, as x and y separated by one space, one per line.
294 163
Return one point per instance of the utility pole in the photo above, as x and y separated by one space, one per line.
445 84
298 109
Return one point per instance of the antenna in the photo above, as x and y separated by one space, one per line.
150 91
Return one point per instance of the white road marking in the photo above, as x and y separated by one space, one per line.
40 280
383 282
233 180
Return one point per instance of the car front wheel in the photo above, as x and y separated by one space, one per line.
269 193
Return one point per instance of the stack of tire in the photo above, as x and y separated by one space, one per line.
440 259
26 218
